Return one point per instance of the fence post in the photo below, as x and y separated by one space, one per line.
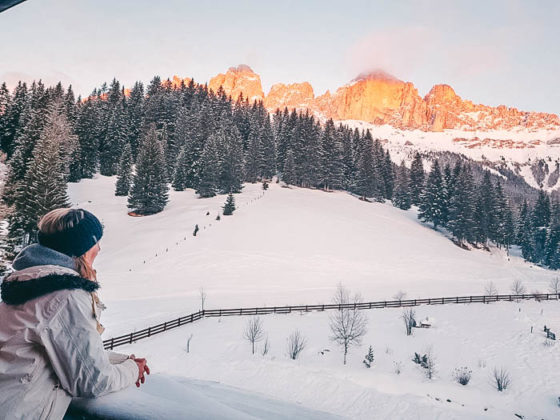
130 338
456 299
149 331
165 326
112 343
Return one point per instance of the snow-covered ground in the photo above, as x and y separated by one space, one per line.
517 149
288 246
477 336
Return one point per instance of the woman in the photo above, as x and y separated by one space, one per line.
50 344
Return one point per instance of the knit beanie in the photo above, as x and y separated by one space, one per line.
75 241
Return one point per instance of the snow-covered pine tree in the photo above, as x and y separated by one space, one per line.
525 238
231 162
149 192
14 117
180 174
366 184
540 220
87 131
461 209
253 162
401 196
288 175
505 230
416 179
135 116
332 170
209 168
485 211
432 199
229 206
124 173
5 103
268 150
369 357
113 142
388 176
43 188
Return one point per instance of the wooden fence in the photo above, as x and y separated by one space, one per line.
111 343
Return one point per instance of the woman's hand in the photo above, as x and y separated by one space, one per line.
142 368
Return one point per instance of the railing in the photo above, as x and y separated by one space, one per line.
130 338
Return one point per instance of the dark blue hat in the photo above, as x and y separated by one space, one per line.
85 231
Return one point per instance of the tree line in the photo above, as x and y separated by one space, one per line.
187 136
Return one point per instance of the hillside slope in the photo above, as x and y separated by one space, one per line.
288 246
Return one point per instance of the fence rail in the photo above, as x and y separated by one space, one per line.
130 338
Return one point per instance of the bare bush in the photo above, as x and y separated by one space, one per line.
409 319
400 295
266 347
397 367
189 343
501 378
348 326
296 343
517 287
426 361
202 294
254 331
554 286
490 289
462 375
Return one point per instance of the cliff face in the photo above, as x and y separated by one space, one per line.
239 80
380 98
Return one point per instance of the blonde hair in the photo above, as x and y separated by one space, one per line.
58 220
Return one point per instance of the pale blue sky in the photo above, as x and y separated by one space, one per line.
492 52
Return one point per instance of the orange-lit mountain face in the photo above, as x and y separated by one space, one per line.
380 98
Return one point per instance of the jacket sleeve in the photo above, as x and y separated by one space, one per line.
76 352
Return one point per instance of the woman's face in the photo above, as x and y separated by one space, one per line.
92 253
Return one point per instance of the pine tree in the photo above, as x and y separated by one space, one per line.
432 199
124 173
14 118
149 192
229 207
366 183
461 209
525 237
113 143
231 162
540 221
209 169
288 175
253 156
87 129
485 211
43 188
180 174
331 158
5 104
416 179
401 196
135 116
505 229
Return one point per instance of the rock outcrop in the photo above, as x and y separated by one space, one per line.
240 80
380 98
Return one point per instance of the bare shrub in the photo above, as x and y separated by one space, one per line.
296 343
490 289
397 367
400 295
266 347
426 361
254 331
517 287
462 375
202 294
409 319
348 326
189 343
501 378
548 342
554 286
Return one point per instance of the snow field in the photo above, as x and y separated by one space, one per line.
289 246
477 336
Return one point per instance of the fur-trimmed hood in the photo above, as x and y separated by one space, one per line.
40 271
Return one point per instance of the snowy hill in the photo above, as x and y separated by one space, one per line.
288 246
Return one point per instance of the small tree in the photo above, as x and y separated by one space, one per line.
195 230
490 289
554 285
229 207
348 325
254 332
409 319
202 294
124 172
369 357
517 287
502 379
266 346
296 343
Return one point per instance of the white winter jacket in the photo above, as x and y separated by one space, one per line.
50 350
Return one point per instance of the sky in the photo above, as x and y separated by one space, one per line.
492 52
